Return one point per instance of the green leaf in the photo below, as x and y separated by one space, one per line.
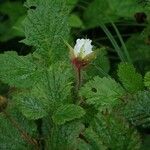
67 113
94 140
47 33
14 11
31 106
137 110
114 132
18 71
52 90
65 137
58 82
71 3
103 93
82 145
10 137
102 11
138 48
147 79
130 79
75 21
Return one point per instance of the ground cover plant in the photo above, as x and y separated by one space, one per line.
75 75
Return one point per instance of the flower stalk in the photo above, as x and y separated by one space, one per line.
81 55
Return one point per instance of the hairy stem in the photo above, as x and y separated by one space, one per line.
79 80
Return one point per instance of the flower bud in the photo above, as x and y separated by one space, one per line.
82 53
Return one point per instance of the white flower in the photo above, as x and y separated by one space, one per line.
82 48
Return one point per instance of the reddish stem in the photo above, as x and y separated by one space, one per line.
79 78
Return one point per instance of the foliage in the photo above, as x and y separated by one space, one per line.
104 93
101 11
137 110
67 112
47 38
12 138
75 21
51 90
47 103
138 48
22 71
13 14
147 79
130 79
65 136
110 131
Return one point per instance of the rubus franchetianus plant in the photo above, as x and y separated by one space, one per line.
49 107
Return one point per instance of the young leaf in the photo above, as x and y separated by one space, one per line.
18 71
103 93
130 79
147 79
47 33
67 113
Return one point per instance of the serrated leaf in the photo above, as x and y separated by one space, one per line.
65 137
130 79
147 79
94 140
67 113
115 133
101 11
103 93
51 91
47 33
32 107
137 110
18 71
10 137
59 82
